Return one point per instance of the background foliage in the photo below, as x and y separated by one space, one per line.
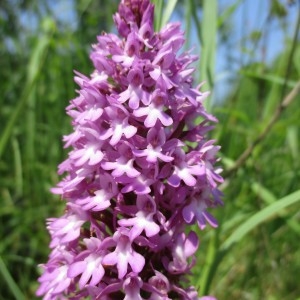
254 254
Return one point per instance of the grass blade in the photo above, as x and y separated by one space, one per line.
260 217
188 23
13 287
35 65
208 43
168 11
243 229
293 142
274 79
18 167
158 14
265 194
227 14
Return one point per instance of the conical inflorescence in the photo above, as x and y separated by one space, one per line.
140 171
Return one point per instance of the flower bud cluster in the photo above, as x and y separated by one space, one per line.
140 171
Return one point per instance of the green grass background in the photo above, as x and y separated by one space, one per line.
254 254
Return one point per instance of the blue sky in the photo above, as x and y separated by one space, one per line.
251 15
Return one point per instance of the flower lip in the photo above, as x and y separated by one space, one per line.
160 282
132 46
135 77
159 98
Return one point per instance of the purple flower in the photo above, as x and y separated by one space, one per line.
193 295
124 255
143 219
118 125
123 164
160 286
66 228
99 197
90 152
196 211
161 72
132 286
183 170
53 282
139 185
156 146
89 264
183 248
154 111
134 92
140 171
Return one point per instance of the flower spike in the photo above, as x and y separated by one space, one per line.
141 170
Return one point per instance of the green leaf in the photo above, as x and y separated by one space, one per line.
270 78
260 217
35 64
208 43
226 15
188 24
11 284
263 193
243 229
278 9
168 11
292 141
158 15
17 167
